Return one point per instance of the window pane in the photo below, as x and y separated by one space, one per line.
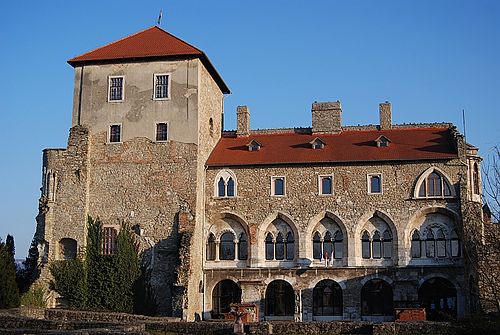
415 245
429 245
339 245
221 185
387 249
326 185
375 184
327 246
476 179
211 248
226 246
269 247
316 246
161 90
279 186
365 245
161 132
243 247
434 184
280 247
421 191
115 133
290 250
447 188
455 248
441 244
116 89
230 187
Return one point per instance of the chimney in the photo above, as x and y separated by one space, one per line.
385 111
242 121
326 117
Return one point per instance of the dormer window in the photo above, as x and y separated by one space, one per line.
382 141
317 143
253 145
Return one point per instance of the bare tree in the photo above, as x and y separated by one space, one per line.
491 184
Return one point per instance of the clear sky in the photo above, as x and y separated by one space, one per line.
430 58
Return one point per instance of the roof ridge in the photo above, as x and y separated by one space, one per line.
179 39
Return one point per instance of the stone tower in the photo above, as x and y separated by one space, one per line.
147 112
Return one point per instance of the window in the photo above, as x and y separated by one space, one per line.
325 185
211 248
440 244
253 145
162 131
327 246
374 183
455 244
365 245
269 247
115 89
225 184
317 143
243 247
115 135
317 246
387 244
109 240
380 246
376 246
416 245
227 246
430 251
278 186
327 298
338 244
475 178
382 141
434 185
161 86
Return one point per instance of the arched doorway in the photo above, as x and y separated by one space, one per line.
377 300
327 300
225 293
439 297
280 299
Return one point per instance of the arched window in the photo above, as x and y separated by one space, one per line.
221 186
365 245
440 244
225 293
387 244
226 184
226 246
376 245
211 247
416 245
475 178
338 244
327 299
376 298
455 244
243 247
290 246
230 187
327 246
429 245
269 247
317 246
280 299
439 297
280 247
434 185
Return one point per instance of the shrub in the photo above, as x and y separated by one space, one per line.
34 297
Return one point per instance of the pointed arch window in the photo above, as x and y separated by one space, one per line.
317 246
435 185
243 247
269 247
280 247
211 247
230 187
327 246
338 244
221 187
376 245
416 245
387 244
289 246
225 184
455 244
440 244
429 245
365 245
226 246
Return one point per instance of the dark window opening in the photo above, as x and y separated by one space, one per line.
327 299
376 298
243 247
280 299
439 297
161 132
225 293
211 248
226 246
115 133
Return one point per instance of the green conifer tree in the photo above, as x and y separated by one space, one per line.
9 292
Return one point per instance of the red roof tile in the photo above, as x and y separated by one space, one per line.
348 146
153 42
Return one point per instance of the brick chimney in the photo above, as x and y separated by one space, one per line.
242 121
326 117
385 111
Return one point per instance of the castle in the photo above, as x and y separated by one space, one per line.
330 222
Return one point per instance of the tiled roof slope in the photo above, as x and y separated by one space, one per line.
348 146
153 42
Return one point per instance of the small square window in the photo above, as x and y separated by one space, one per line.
325 185
161 86
161 131
278 186
115 89
375 183
115 135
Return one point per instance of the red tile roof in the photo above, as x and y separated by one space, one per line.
348 146
153 42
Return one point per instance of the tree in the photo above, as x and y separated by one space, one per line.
30 270
491 184
9 292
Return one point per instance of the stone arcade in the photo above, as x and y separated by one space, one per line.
330 222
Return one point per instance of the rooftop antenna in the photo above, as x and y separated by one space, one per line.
158 22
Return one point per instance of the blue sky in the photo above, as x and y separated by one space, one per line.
430 58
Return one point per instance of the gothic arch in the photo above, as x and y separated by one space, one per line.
225 174
425 174
263 229
316 280
311 226
229 222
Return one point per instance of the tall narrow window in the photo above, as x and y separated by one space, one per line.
109 240
327 246
317 246
325 185
269 247
280 247
225 184
430 251
387 244
230 187
475 179
376 245
374 184
115 89
434 184
455 244
115 133
161 132
415 245
221 187
211 247
441 244
161 86
278 186
365 245
290 246
227 246
243 247
338 244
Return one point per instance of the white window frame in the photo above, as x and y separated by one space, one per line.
169 75
273 193
109 88
320 185
156 131
225 174
369 183
109 133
